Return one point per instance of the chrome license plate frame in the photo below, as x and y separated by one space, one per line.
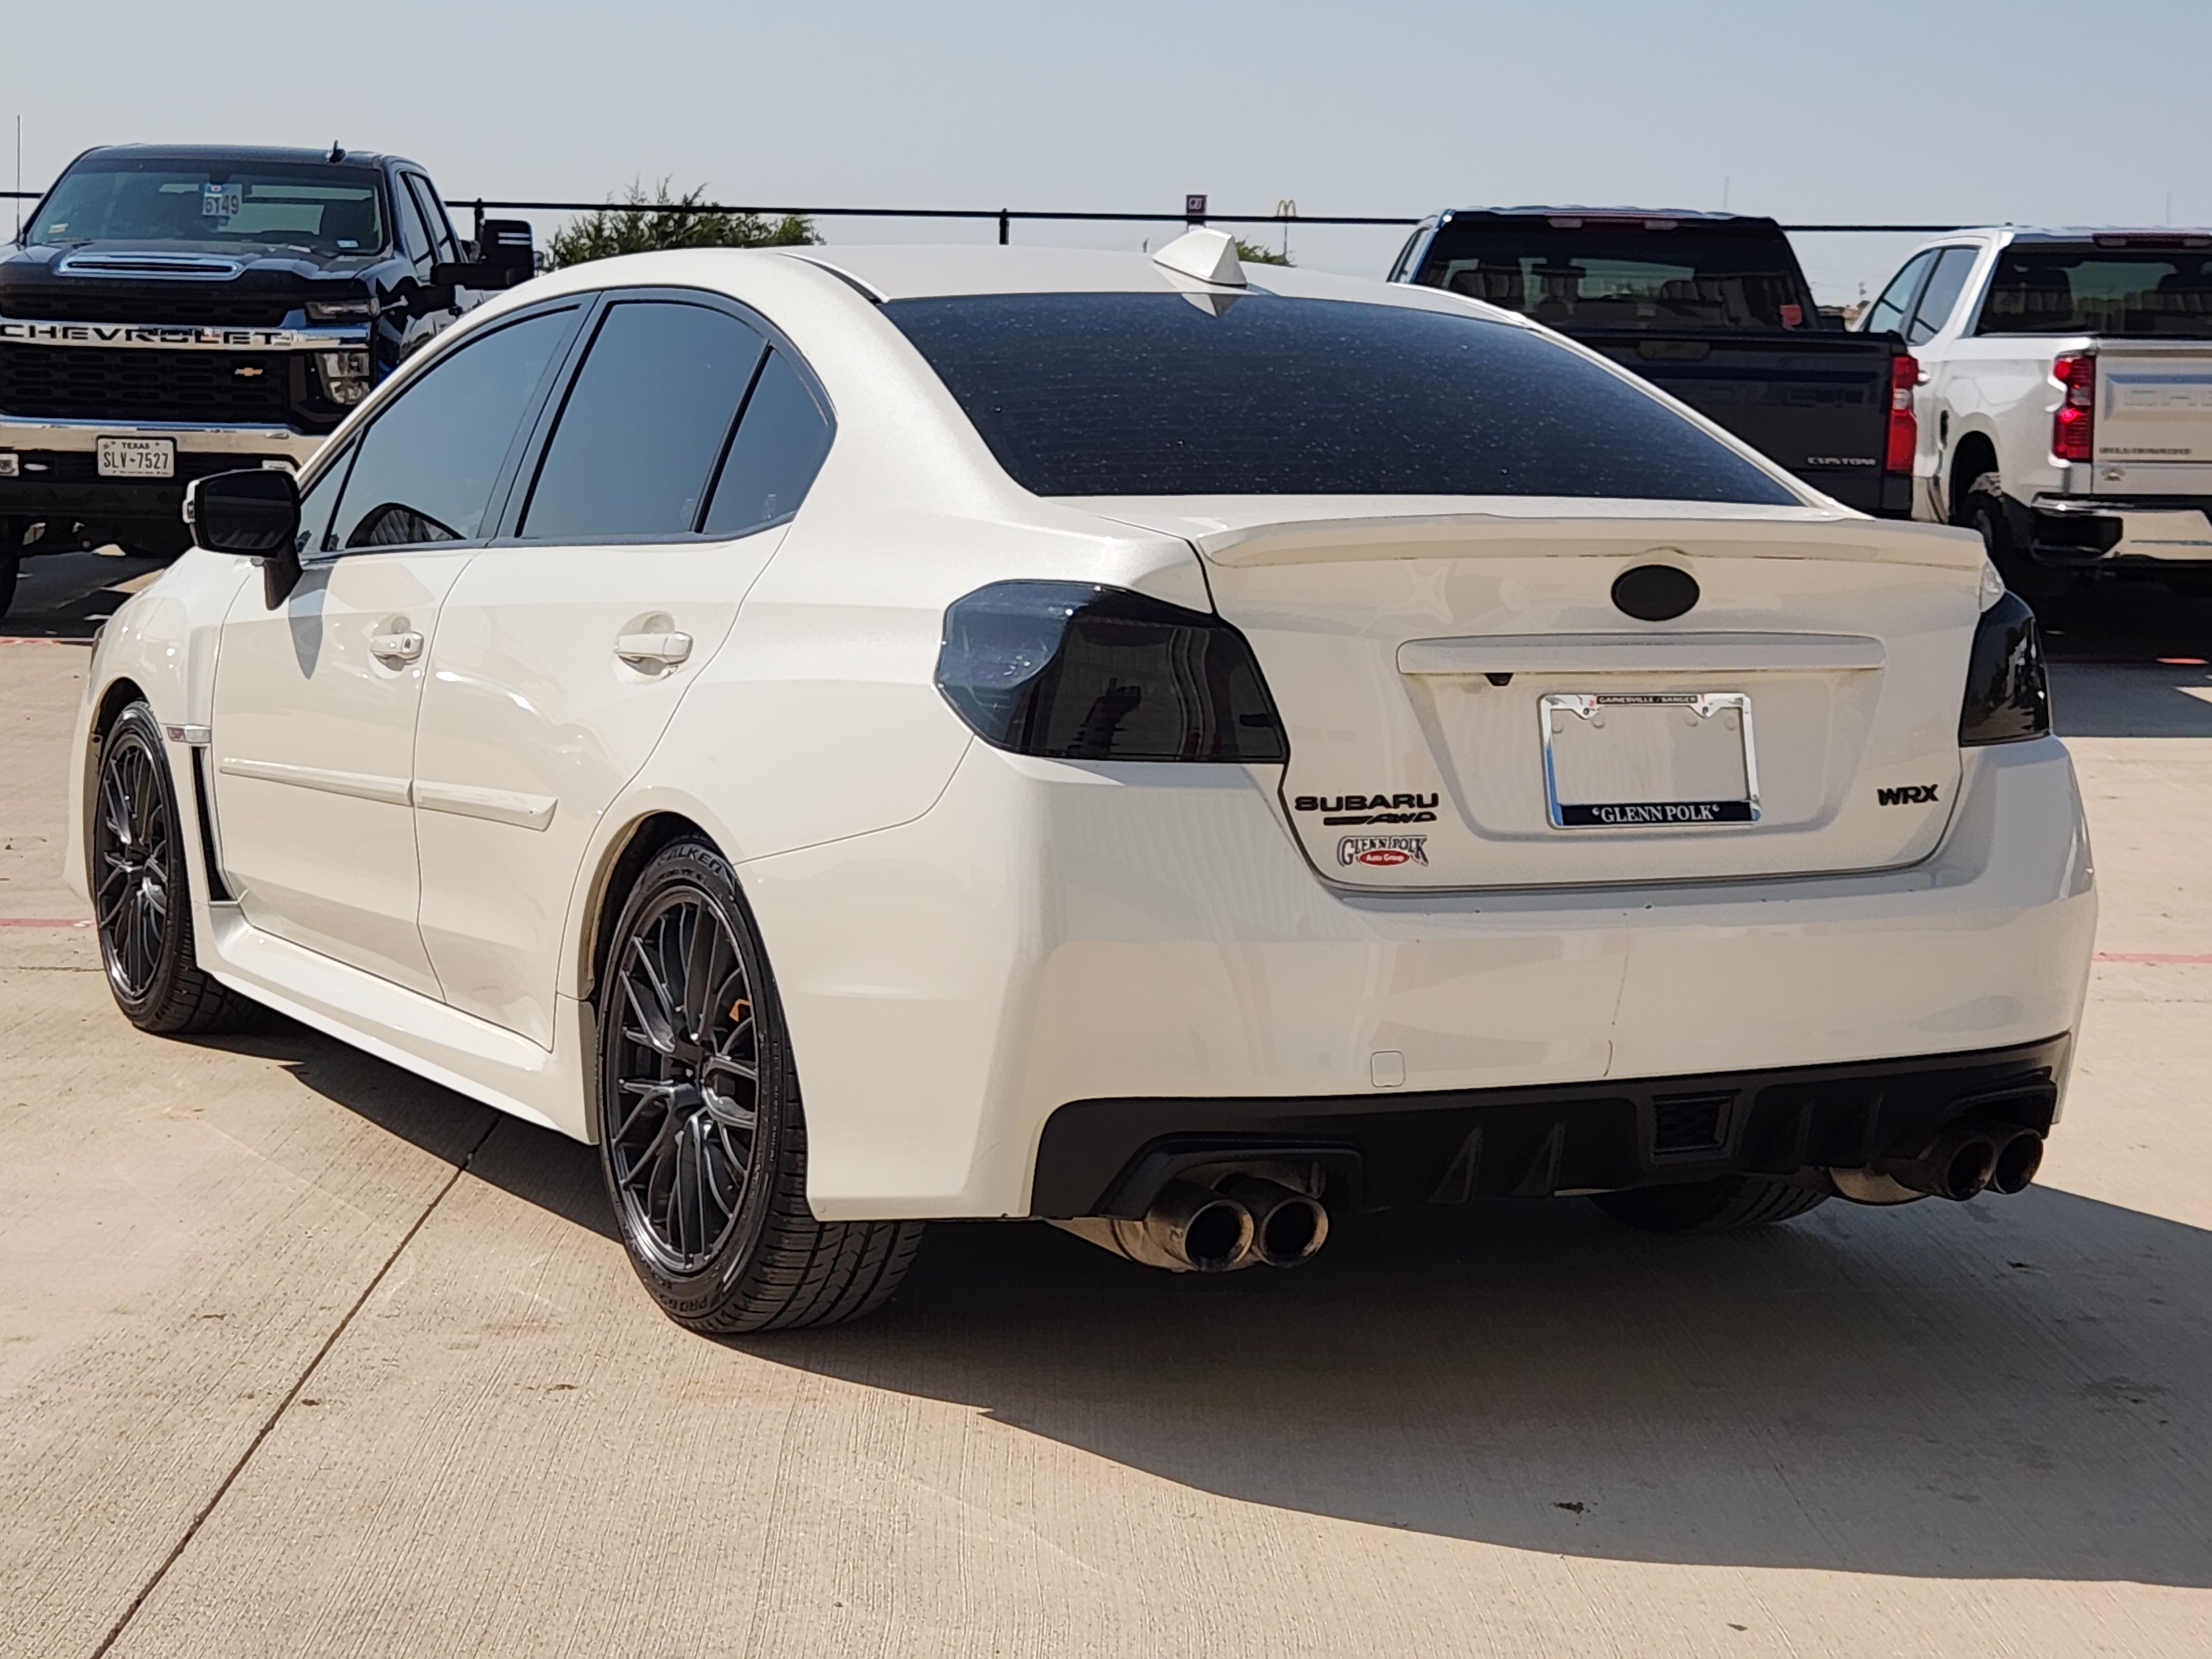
1670 760
137 458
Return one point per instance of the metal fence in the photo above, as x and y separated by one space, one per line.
1195 212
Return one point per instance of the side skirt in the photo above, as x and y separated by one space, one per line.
416 1033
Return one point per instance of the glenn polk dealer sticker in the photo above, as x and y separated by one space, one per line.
1382 852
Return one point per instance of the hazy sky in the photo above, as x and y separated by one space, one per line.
1881 111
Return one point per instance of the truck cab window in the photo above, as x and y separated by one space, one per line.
413 234
1941 295
1887 314
442 245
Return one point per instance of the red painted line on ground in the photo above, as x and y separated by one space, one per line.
72 922
2150 956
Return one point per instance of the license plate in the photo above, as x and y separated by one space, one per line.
138 458
1669 761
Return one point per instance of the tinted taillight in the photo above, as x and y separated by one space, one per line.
2007 693
1074 671
1903 426
2073 427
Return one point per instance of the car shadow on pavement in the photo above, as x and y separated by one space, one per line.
2010 1388
2017 1388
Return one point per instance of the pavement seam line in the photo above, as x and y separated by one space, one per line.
223 1491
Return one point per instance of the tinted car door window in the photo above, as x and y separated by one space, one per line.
1951 265
779 448
1887 314
424 471
648 416
316 507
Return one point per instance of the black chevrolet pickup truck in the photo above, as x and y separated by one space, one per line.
172 312
1709 307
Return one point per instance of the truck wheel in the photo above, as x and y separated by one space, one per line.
141 890
700 1135
1725 1206
1985 512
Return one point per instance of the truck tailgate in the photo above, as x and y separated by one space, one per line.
2154 401
1816 403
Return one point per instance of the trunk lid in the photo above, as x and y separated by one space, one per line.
1468 706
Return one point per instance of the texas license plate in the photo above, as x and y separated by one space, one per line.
138 458
1669 760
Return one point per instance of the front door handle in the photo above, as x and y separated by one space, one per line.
404 646
653 650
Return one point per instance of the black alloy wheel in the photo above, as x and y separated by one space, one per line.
701 1140
11 566
141 899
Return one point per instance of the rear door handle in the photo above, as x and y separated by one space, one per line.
396 647
656 650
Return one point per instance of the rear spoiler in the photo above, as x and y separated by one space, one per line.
1574 528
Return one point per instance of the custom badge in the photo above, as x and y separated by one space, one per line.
1911 795
1382 852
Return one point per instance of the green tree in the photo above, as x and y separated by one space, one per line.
1251 253
644 224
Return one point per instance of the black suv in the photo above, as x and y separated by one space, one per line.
172 312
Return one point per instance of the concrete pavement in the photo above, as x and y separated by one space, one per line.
301 1355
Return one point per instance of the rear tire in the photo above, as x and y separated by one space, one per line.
142 890
11 566
1727 1205
701 1139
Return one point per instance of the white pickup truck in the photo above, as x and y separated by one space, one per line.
2065 399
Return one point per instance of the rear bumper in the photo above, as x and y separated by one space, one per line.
2146 533
1111 1157
1052 933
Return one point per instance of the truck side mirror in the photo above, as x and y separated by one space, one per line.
503 257
255 512
506 247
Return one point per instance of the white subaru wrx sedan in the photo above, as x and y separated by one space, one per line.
869 735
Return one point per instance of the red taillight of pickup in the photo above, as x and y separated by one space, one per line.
2073 427
1904 425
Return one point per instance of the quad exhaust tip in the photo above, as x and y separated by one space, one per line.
1195 1227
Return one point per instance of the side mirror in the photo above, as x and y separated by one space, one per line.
502 256
255 512
505 246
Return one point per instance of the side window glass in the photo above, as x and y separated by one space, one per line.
1887 314
424 471
433 216
1941 295
413 238
316 505
649 412
781 443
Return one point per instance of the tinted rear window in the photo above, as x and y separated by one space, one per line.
1154 394
2094 290
1608 276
